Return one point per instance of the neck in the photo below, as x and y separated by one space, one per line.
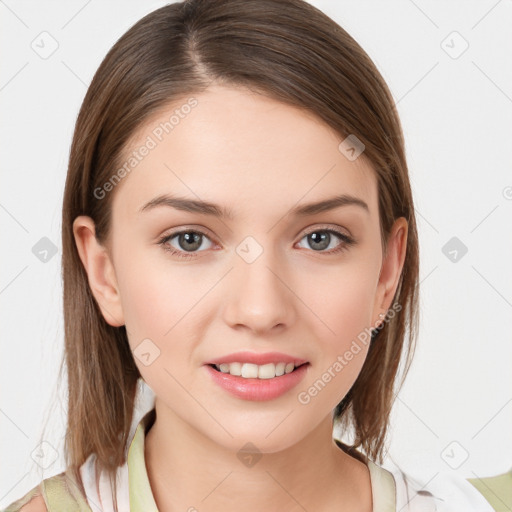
189 471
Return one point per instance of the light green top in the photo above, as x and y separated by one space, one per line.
62 493
497 490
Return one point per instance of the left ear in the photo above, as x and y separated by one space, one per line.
391 269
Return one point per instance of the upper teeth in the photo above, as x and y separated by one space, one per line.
254 371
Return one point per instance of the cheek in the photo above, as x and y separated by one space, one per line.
147 301
342 301
343 332
155 293
162 302
159 321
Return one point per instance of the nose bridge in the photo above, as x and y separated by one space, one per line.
260 299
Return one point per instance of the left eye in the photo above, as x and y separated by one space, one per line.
321 239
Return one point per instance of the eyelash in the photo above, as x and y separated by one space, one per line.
347 242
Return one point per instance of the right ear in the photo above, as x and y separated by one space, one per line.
100 270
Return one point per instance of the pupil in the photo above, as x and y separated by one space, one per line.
322 239
191 238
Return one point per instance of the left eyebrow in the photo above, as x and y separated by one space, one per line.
329 204
207 208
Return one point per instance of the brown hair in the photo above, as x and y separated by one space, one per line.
291 52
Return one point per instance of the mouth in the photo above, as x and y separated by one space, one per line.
257 382
255 371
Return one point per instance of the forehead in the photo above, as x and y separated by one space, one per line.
234 145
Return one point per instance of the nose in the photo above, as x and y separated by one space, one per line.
260 296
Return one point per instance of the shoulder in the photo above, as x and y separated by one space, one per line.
444 491
36 504
496 489
58 493
32 501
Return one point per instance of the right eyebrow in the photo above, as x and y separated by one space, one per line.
187 205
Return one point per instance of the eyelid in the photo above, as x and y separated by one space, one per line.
188 227
321 227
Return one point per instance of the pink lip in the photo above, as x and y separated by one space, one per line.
257 389
259 359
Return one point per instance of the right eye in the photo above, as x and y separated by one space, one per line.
188 242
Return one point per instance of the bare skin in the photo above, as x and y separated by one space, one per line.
260 159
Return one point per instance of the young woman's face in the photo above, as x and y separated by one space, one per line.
262 280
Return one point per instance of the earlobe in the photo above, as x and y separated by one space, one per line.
391 269
100 270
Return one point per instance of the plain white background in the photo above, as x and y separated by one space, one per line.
455 410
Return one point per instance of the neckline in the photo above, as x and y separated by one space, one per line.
383 488
141 494
382 482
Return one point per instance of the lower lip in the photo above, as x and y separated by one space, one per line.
258 389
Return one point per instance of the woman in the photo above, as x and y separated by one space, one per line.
239 235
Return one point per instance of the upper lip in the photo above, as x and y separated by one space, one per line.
259 359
